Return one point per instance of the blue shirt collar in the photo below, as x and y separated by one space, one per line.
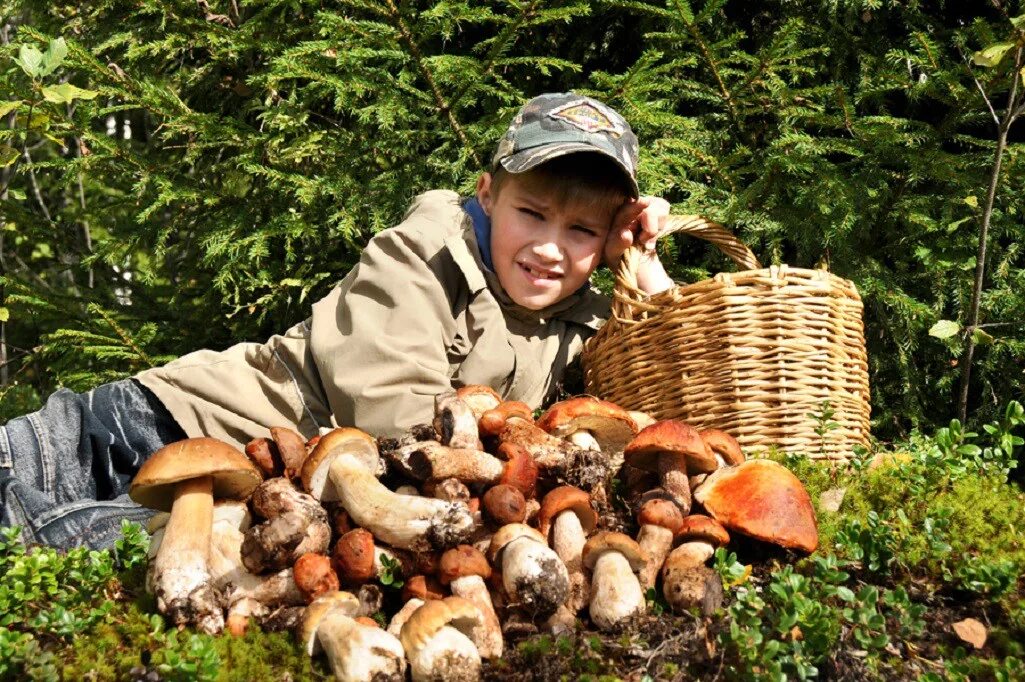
482 230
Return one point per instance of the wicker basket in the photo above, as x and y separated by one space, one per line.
753 353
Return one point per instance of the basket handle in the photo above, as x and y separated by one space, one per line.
628 298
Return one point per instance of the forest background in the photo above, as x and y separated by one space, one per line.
181 174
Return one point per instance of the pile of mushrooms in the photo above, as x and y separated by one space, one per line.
492 523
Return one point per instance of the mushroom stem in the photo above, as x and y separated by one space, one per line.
403 614
181 577
360 652
403 521
676 483
448 655
656 541
568 538
432 460
488 635
615 592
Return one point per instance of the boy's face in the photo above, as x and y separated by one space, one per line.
542 251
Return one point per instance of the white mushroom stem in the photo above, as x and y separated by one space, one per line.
180 575
656 541
449 655
488 635
534 576
568 538
454 421
403 521
432 460
615 592
403 614
360 652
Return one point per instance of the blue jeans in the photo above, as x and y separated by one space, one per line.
65 470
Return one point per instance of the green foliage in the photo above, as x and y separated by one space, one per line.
214 171
391 573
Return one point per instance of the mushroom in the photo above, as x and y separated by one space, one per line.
592 424
454 421
614 559
314 576
520 469
504 504
437 641
296 524
672 449
356 652
357 559
479 398
724 447
423 587
533 576
641 419
264 454
253 596
686 580
183 478
567 518
464 569
492 422
403 614
449 489
291 447
430 459
659 521
764 500
341 467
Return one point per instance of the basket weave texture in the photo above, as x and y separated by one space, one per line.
753 353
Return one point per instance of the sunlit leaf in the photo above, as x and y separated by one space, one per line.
982 338
992 55
944 329
8 107
8 155
54 57
30 60
66 92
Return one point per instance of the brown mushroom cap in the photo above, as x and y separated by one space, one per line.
507 534
505 504
762 499
703 528
456 612
342 440
353 557
461 561
660 512
674 439
520 468
422 587
234 476
314 576
344 602
610 424
723 444
566 498
616 542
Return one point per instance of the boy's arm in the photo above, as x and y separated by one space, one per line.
380 342
640 221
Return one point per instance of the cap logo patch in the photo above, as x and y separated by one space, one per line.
587 117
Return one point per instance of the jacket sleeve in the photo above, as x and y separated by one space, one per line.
380 339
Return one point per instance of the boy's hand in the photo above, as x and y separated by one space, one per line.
640 221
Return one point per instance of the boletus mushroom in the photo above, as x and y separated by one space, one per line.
184 478
356 651
614 559
436 638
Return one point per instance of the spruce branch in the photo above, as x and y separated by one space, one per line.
439 98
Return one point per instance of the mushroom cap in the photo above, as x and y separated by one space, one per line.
479 398
660 512
353 557
456 612
611 541
610 424
461 561
762 499
520 468
234 475
423 587
723 444
505 504
345 602
566 498
509 532
704 528
339 441
671 438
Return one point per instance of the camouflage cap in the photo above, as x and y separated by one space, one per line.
562 123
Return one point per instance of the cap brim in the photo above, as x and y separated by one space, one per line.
527 159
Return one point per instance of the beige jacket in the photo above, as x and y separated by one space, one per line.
418 315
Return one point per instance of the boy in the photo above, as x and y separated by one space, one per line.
490 291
